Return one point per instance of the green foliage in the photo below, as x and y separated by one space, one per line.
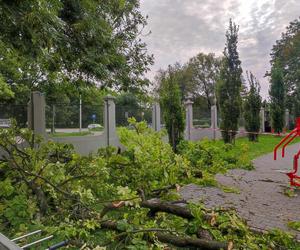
294 225
205 70
227 226
50 182
5 91
227 189
63 134
213 157
252 106
229 86
47 186
157 164
170 99
277 98
44 43
289 192
286 50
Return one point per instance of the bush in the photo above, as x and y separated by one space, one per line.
211 157
48 186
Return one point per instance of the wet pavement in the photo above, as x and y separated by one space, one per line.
261 200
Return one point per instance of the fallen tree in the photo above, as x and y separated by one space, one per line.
175 240
93 202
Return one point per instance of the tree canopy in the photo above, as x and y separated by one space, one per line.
81 42
205 70
287 51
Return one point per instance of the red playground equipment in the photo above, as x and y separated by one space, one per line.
294 178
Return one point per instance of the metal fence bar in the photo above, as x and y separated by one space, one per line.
37 242
26 235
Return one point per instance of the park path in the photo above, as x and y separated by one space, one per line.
261 201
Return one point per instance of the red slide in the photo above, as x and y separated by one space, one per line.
294 178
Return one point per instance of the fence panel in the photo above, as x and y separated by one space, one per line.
92 114
201 117
139 113
17 112
66 117
62 116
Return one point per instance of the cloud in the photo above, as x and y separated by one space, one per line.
182 28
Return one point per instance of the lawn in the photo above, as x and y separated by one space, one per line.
265 144
63 134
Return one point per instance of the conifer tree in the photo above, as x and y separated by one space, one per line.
277 97
252 105
229 86
170 99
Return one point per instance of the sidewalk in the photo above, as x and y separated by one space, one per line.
261 201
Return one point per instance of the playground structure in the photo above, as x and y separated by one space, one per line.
294 178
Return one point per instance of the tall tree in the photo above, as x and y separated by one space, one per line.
229 86
287 50
277 97
91 42
171 102
252 106
205 70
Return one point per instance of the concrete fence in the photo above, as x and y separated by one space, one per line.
91 143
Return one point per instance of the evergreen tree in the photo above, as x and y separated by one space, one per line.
170 99
252 105
277 97
229 86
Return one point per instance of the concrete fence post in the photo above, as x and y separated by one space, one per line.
262 120
110 121
214 120
156 117
188 119
36 113
287 119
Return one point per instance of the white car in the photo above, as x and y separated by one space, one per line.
94 126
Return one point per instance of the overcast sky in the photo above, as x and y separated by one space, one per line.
182 28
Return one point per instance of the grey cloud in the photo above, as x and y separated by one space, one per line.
183 28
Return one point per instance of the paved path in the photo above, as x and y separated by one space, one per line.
261 201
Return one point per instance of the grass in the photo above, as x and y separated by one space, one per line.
96 129
265 144
62 134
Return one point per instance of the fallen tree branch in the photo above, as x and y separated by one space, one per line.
168 238
164 189
180 241
158 206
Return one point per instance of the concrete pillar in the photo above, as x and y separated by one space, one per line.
214 120
188 119
156 117
36 113
111 138
287 119
262 120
